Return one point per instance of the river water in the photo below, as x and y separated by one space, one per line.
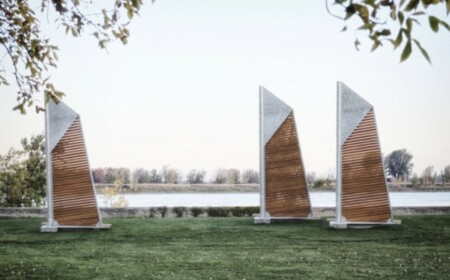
318 199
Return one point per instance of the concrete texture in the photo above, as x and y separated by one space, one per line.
61 118
275 112
353 110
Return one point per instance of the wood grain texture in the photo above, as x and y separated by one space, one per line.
74 202
364 193
286 189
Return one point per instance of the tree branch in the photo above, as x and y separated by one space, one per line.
330 13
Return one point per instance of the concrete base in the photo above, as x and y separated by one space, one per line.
55 227
269 219
335 225
45 228
261 220
362 225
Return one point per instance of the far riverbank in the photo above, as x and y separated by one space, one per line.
240 188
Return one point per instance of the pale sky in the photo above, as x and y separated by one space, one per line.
184 91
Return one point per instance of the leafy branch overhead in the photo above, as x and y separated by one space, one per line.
28 55
391 21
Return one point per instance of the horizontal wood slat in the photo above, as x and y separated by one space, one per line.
364 193
74 202
285 184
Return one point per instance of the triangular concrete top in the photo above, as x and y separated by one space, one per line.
274 113
353 109
61 118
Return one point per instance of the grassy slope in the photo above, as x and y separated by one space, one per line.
221 248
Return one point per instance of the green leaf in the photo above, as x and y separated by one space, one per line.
409 23
375 45
448 7
394 12
3 81
363 12
398 40
21 108
412 5
357 43
130 12
434 23
384 32
74 31
407 33
425 3
423 51
406 52
419 14
446 25
415 20
368 26
401 17
136 3
349 13
370 3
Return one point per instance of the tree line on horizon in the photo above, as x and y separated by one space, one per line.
170 175
22 174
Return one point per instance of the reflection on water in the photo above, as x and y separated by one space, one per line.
318 199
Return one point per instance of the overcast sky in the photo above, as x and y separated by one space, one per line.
184 91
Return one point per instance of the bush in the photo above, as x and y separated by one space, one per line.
249 211
237 211
22 174
162 211
197 211
153 211
321 183
180 211
218 211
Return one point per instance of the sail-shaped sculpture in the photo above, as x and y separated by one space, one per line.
283 189
361 192
71 196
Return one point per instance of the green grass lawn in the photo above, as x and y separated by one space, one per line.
226 248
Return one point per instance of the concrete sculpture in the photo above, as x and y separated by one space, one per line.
71 199
362 198
283 190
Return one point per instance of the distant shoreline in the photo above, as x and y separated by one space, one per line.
237 188
108 212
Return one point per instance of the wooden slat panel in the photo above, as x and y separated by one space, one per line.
286 189
364 193
74 202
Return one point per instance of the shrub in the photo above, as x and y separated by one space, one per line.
218 211
249 211
22 174
162 211
237 211
197 211
153 211
179 211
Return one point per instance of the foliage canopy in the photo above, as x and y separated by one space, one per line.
398 163
22 174
391 21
